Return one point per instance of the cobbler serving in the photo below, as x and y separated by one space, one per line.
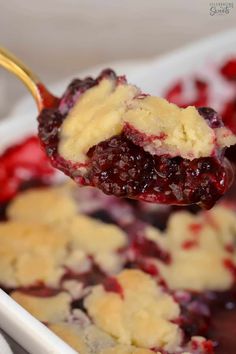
106 133
113 275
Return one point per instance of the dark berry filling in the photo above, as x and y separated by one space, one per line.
143 247
229 119
212 315
119 167
195 315
222 323
211 116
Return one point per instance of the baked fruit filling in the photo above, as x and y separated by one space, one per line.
107 133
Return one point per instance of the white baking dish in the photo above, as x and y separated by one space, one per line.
152 76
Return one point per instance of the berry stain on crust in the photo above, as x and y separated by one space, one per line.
112 285
120 165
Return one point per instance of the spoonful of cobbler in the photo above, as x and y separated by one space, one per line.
106 133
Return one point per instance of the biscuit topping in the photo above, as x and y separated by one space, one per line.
197 245
26 254
106 109
143 309
46 309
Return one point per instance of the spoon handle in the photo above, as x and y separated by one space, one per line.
42 97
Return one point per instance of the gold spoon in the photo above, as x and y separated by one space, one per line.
42 97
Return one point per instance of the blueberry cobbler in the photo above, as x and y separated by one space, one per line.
113 275
105 132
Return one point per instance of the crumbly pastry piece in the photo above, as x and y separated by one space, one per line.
77 260
30 253
46 309
141 315
222 218
86 340
110 262
74 288
105 237
197 245
95 238
48 205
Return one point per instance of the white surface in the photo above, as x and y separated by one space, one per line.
4 347
27 331
152 76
